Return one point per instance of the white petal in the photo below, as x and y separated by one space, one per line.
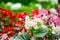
9 3
53 32
4 36
39 6
33 38
11 38
16 6
53 10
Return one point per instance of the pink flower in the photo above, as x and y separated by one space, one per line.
43 13
54 19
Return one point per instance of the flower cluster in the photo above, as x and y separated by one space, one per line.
10 22
38 24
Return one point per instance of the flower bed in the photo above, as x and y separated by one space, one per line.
39 25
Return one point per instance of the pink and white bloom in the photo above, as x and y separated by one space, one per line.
4 36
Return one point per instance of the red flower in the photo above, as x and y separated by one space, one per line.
6 38
4 11
5 30
0 34
10 28
34 12
12 16
4 21
0 17
11 21
17 23
23 15
9 13
25 29
11 33
18 28
17 14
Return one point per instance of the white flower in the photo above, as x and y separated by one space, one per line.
32 23
59 39
53 10
53 32
16 6
27 18
19 33
9 4
29 22
11 38
56 29
39 6
36 27
44 26
55 1
36 19
4 36
33 38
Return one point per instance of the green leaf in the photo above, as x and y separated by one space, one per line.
48 34
15 19
18 38
26 36
38 23
39 32
2 24
53 35
58 35
0 29
48 26
23 36
7 22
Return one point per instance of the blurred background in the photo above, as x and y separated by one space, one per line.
27 5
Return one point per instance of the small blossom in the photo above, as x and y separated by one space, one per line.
44 26
33 38
4 36
53 10
16 6
56 29
39 6
11 38
9 3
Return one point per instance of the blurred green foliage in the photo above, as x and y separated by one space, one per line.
59 1
22 9
24 2
3 5
27 5
48 5
27 8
